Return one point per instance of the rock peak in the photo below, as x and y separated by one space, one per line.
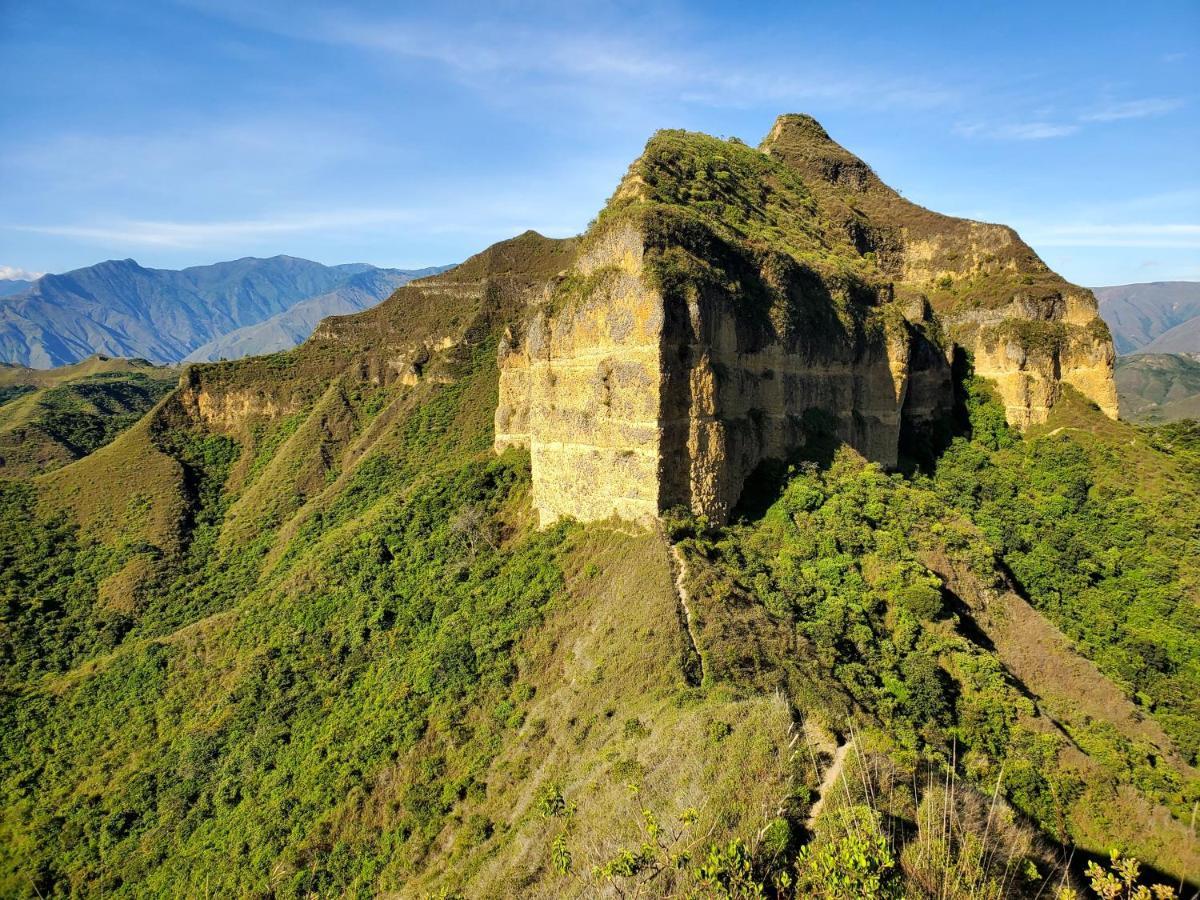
802 143
732 308
790 126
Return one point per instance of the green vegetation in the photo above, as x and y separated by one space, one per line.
61 417
1110 559
854 562
228 776
88 414
341 674
1034 335
1121 882
13 391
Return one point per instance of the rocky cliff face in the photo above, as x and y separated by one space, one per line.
1026 328
580 386
731 306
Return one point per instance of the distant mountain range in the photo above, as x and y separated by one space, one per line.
119 308
293 326
1156 330
1158 317
1159 387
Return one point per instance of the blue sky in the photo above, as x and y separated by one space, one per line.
180 133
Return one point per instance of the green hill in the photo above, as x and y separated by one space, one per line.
50 417
296 633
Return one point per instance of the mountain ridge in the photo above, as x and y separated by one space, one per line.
1153 317
122 309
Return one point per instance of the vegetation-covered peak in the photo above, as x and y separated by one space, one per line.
800 124
958 263
802 193
800 142
529 254
697 182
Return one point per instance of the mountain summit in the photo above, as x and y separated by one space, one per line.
727 296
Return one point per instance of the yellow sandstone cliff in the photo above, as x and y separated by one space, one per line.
732 306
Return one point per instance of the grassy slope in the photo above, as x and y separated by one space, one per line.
49 418
215 727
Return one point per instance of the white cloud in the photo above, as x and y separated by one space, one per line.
1045 128
1133 109
198 234
13 273
1016 131
498 219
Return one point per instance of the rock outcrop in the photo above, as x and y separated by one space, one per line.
731 307
1026 327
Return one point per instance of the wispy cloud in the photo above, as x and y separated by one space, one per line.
600 60
199 234
1016 131
1065 125
494 220
1118 235
1133 109
12 273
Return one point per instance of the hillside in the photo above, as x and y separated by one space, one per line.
795 604
1159 387
121 309
50 417
1160 317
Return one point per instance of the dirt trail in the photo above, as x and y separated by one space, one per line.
828 781
694 671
